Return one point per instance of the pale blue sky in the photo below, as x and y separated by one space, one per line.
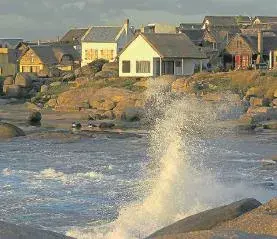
47 19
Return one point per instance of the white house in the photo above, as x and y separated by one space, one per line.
105 42
152 54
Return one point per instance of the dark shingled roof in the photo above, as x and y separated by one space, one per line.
74 35
173 45
269 43
52 54
227 20
196 36
102 34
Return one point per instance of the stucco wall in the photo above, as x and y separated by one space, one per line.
99 47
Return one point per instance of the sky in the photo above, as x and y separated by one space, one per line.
50 19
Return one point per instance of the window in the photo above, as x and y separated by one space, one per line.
143 66
91 54
126 66
178 64
107 54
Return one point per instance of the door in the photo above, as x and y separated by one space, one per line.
237 61
245 62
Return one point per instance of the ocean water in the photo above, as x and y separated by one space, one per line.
85 185
111 187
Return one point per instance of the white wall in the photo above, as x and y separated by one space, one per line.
138 50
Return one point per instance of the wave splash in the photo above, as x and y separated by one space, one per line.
176 189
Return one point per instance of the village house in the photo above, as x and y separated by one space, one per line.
158 28
151 54
74 38
40 58
246 51
8 56
105 42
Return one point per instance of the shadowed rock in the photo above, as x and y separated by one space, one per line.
208 219
12 231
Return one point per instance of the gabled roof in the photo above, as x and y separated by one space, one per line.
52 54
105 34
171 45
10 43
266 19
196 36
74 35
269 42
227 20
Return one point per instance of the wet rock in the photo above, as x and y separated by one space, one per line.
10 131
106 125
34 117
208 219
12 231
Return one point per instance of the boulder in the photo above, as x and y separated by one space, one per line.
122 106
275 93
132 114
262 220
13 91
69 77
54 72
262 113
106 125
81 81
254 101
9 80
107 74
9 131
274 102
208 219
56 84
12 231
44 88
215 234
254 92
51 103
111 66
23 80
34 117
104 104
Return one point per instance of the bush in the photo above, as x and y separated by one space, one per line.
97 65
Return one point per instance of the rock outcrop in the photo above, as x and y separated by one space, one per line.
208 219
10 131
12 231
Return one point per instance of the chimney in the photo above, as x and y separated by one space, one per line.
127 25
260 47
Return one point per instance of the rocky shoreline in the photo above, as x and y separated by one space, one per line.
244 219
